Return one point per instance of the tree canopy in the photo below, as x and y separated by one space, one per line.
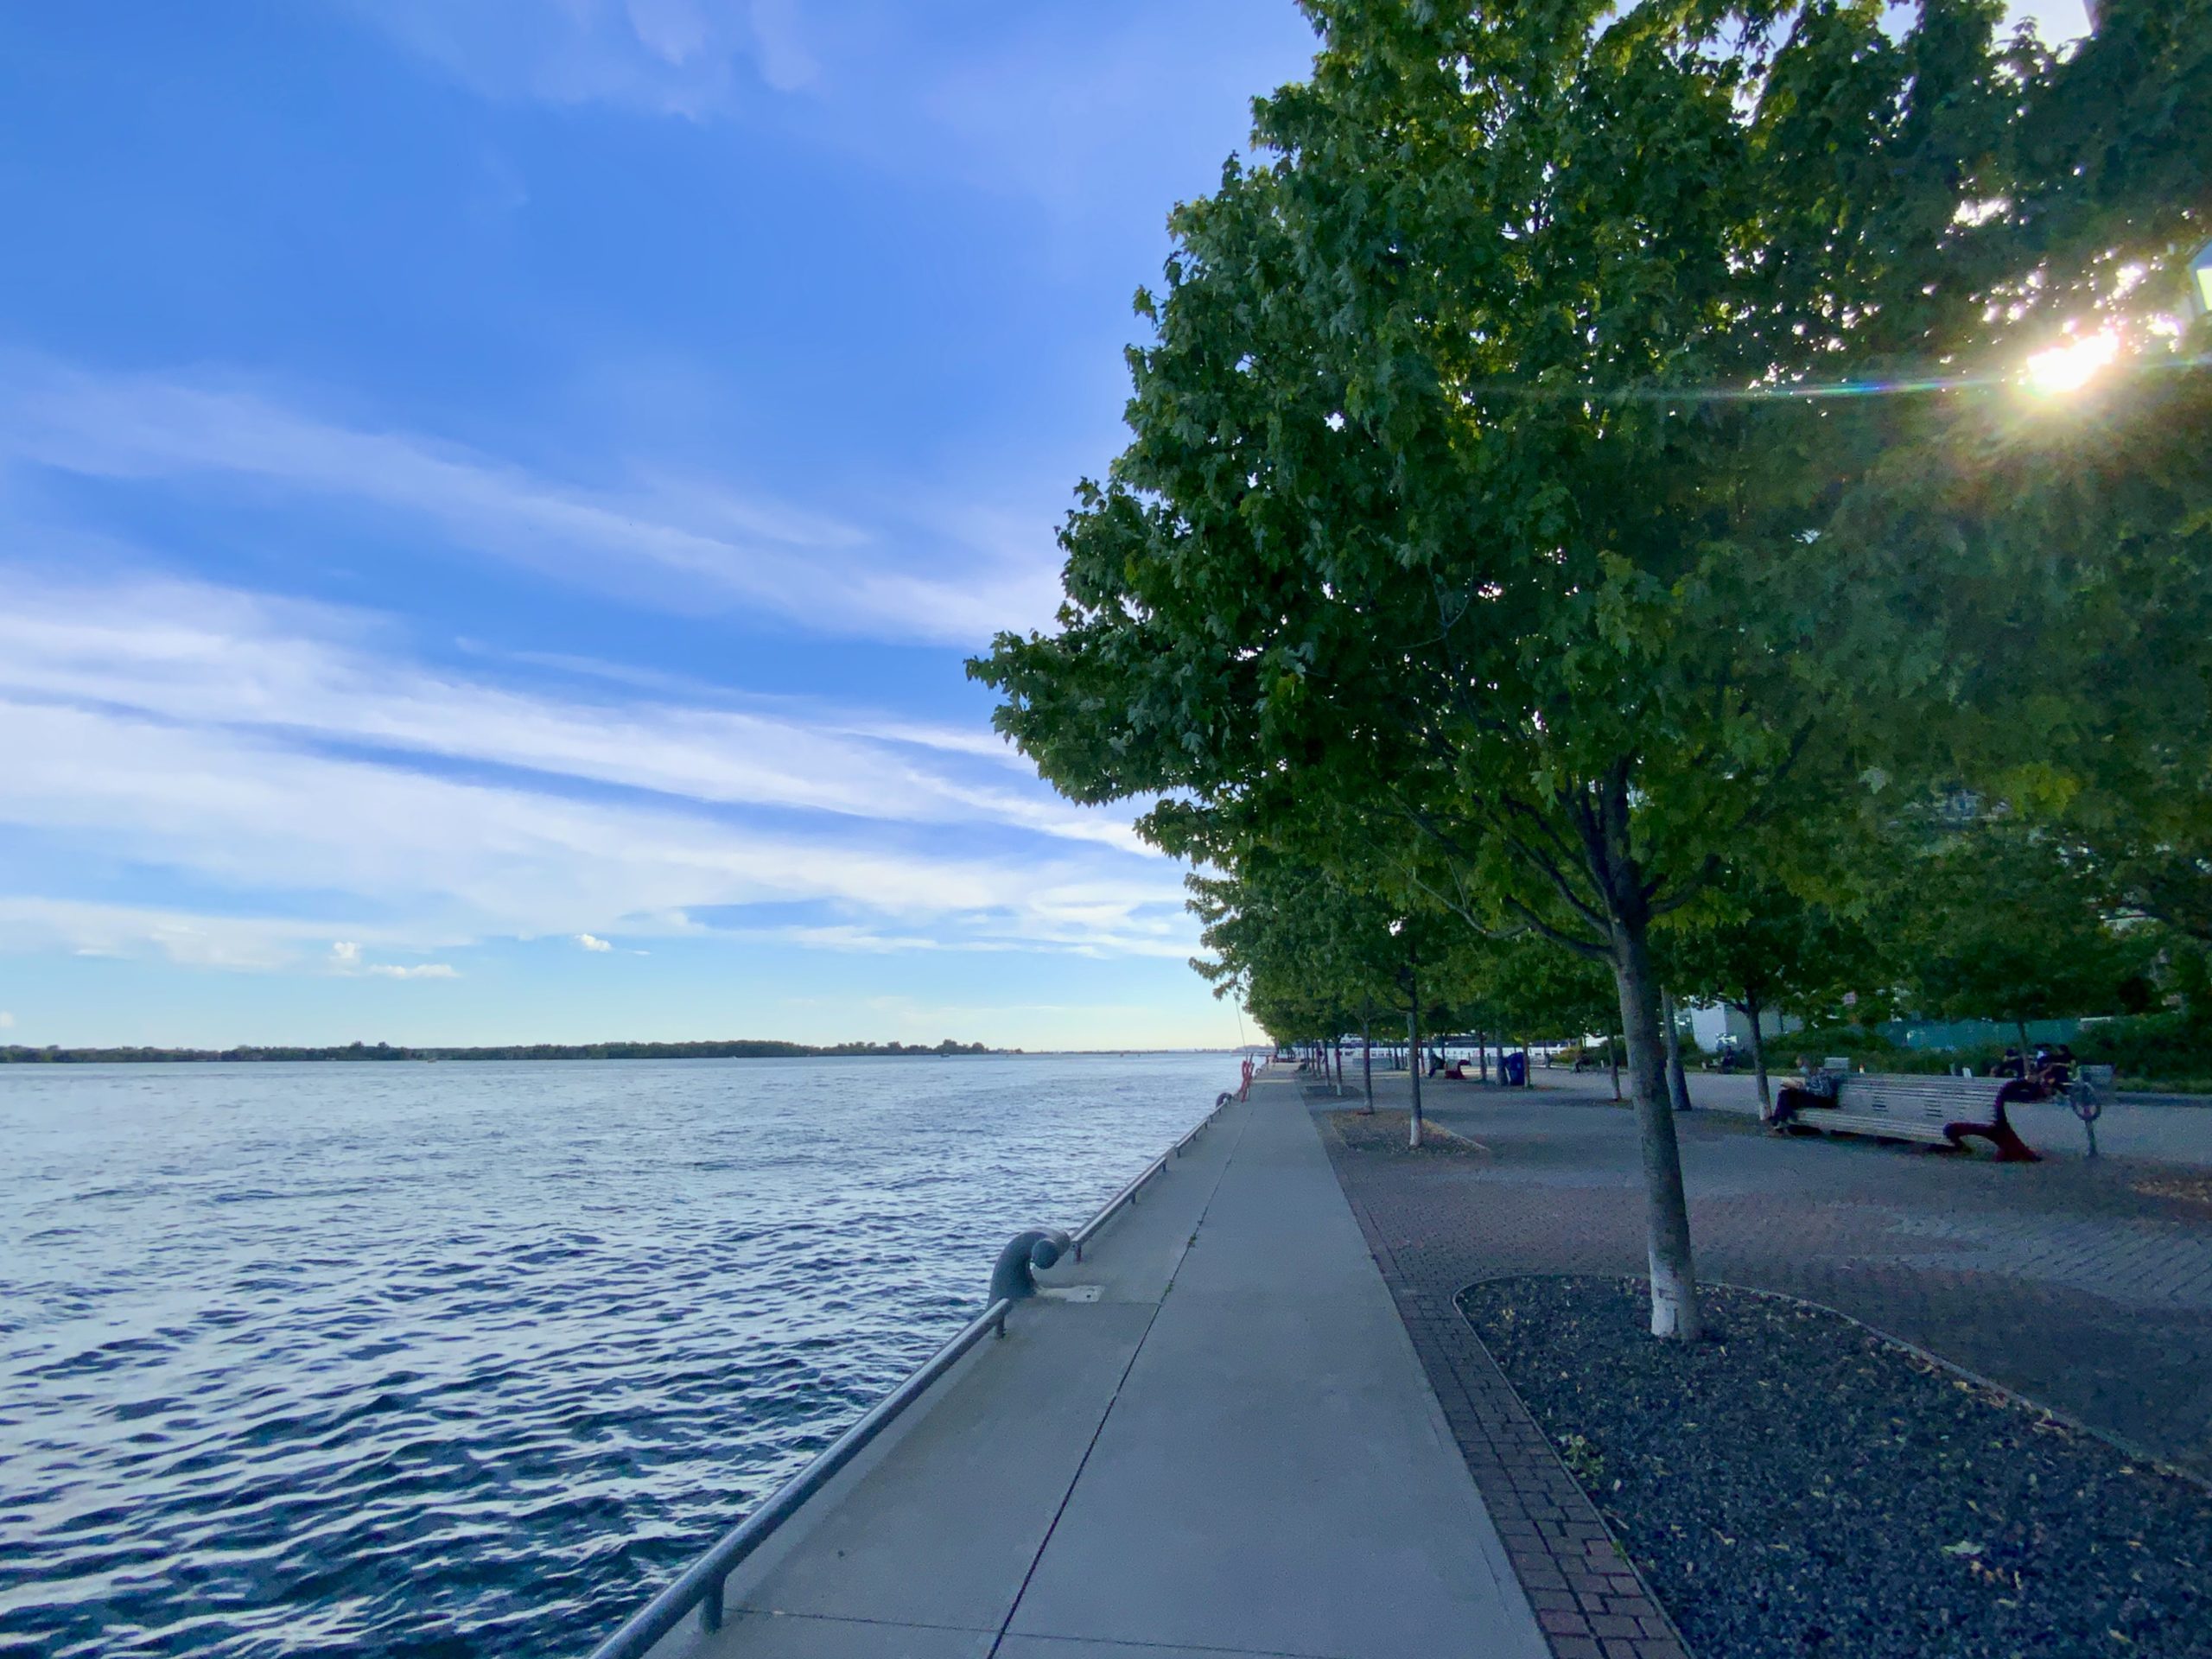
1554 444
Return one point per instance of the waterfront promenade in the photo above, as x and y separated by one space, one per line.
1220 1442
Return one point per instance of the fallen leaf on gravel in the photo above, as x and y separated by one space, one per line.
1962 1550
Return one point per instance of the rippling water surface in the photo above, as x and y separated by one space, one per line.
465 1359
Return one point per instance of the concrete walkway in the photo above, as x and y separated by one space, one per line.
1232 1449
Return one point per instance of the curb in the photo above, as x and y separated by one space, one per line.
1619 1548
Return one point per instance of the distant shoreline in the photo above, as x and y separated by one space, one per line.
746 1048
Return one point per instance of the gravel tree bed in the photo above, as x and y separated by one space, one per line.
1796 1484
1388 1131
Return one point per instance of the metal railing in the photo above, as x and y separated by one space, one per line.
1128 1194
703 1582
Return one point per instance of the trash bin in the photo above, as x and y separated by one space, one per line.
1515 1068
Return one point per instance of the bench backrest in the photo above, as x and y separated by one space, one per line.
1929 1100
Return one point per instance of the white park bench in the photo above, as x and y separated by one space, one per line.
1943 1111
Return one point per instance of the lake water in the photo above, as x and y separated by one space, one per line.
466 1359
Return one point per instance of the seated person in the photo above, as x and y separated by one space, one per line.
1815 1086
2053 1065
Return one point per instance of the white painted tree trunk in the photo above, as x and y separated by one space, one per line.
1675 1311
1752 1012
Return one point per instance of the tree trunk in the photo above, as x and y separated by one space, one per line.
1678 1085
1413 1064
1482 1055
1667 1216
1614 1043
1758 1056
1367 1064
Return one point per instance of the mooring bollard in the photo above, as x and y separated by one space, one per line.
1040 1247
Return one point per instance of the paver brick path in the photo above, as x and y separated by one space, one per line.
2063 1280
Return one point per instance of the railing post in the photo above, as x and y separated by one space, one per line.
711 1606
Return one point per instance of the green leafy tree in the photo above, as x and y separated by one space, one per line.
1758 946
1312 955
1285 942
2094 718
2003 927
1534 989
1480 471
2053 556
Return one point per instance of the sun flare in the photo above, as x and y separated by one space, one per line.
2067 368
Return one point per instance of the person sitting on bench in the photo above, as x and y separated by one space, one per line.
2054 1066
1815 1086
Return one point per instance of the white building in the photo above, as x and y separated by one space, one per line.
1709 1024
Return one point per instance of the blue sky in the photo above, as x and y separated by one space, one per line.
495 494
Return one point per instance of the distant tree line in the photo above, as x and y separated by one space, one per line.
742 1048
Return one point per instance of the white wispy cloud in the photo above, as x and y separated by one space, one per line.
451 862
37 923
347 961
687 57
6 1020
778 35
650 539
204 656
274 754
593 942
1085 111
978 741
